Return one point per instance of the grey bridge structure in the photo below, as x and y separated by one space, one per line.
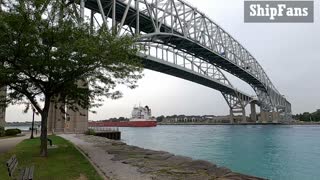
181 41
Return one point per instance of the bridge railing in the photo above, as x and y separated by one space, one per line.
104 129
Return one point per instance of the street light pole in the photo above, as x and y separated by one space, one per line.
32 126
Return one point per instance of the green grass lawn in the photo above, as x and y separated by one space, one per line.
64 162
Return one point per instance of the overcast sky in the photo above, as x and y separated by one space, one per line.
289 53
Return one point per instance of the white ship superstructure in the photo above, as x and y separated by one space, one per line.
141 117
141 114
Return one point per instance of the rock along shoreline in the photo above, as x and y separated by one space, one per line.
150 164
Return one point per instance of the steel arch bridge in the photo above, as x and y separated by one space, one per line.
183 42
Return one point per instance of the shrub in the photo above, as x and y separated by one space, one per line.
2 131
90 132
12 132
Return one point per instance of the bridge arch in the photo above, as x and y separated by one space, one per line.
179 25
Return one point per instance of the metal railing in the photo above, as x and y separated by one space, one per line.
104 129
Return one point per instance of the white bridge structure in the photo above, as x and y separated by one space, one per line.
181 41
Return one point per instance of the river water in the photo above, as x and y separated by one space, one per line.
274 152
22 128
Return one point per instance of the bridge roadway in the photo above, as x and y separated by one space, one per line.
169 68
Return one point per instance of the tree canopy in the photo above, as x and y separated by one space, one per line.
306 116
46 55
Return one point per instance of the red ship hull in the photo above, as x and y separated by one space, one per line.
124 124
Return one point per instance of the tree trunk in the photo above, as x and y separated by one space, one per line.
44 130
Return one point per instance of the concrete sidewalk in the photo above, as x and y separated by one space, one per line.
103 161
10 143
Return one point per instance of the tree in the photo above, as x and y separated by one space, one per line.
160 118
306 116
47 57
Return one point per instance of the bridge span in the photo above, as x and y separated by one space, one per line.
175 27
181 41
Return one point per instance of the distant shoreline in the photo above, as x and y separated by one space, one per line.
238 124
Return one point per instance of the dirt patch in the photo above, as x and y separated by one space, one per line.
82 177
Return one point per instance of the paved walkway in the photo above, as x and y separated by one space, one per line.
9 143
101 159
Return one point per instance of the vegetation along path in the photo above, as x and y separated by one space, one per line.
63 162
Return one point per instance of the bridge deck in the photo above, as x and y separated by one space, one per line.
183 73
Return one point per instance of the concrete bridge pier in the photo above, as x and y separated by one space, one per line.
56 118
253 115
275 117
238 116
231 117
268 117
237 104
69 122
3 92
77 121
263 117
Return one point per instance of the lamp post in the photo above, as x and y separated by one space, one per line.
32 125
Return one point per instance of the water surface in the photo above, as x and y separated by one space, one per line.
274 152
22 128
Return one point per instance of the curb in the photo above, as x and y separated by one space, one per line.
96 167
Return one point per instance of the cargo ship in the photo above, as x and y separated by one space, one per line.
141 117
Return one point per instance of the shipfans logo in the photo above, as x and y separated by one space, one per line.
279 11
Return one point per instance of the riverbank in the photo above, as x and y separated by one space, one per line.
120 161
218 124
239 124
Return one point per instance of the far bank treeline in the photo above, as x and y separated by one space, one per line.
307 116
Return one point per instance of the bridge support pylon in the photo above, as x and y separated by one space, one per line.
264 117
65 118
237 106
253 115
3 92
56 117
70 121
77 121
238 115
269 117
275 117
77 117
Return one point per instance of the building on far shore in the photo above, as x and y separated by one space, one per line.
210 119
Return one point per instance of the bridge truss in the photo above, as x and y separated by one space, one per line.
181 41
